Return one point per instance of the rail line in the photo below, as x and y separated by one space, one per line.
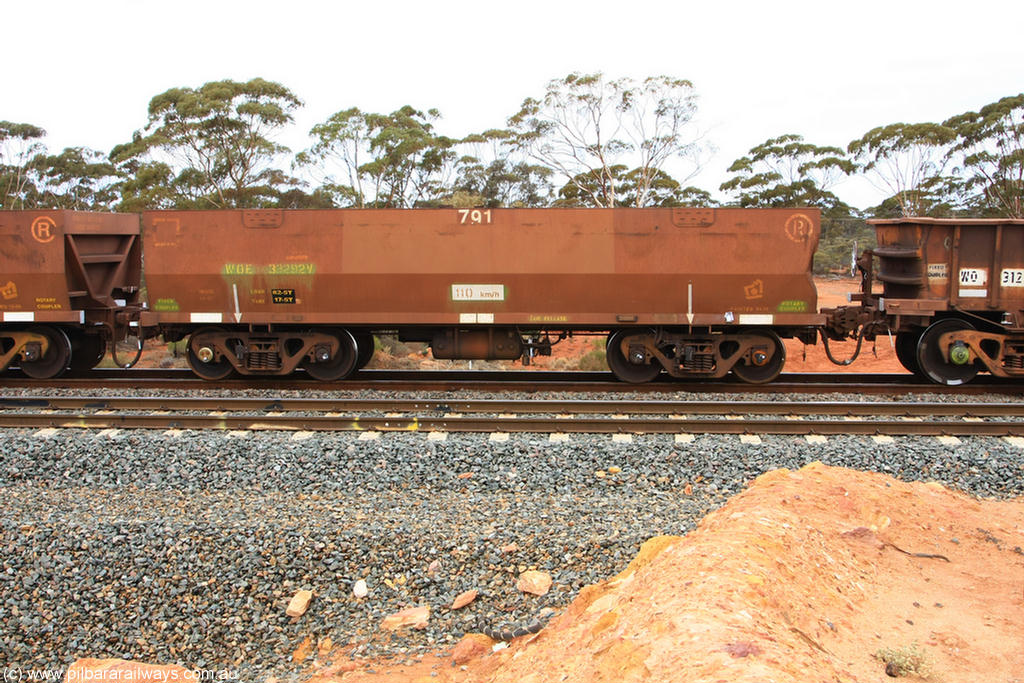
515 416
573 381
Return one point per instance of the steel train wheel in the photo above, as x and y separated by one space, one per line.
929 355
760 374
339 366
57 357
906 350
212 369
365 345
624 369
87 352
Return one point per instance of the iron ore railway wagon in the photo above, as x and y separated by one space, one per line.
694 292
952 292
688 292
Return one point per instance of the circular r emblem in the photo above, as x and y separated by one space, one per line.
798 227
42 229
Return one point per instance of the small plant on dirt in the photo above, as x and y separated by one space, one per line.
594 360
909 660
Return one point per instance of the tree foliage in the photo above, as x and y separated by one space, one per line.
78 178
31 178
585 126
907 161
391 160
661 189
210 147
20 144
588 141
843 237
991 141
502 183
787 171
489 173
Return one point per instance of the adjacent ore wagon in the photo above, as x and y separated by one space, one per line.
692 292
69 286
952 291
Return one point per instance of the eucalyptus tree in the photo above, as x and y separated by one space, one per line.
991 142
212 145
907 161
342 146
592 187
661 188
585 125
78 178
502 182
382 160
490 173
20 146
787 171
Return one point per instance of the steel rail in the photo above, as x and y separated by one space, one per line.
512 424
518 406
520 380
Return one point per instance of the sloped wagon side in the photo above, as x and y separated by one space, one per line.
69 287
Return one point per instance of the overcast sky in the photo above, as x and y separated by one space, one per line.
830 71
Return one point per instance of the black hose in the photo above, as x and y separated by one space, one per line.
856 351
113 348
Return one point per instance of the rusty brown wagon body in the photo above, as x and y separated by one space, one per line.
69 284
953 292
693 291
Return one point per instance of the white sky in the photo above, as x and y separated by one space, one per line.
830 71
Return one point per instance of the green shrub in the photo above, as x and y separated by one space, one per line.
909 660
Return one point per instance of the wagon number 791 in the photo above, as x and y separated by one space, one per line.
474 216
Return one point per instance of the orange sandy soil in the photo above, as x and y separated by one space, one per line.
805 576
875 357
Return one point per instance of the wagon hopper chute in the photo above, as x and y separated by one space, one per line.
69 288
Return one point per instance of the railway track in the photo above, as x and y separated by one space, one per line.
453 380
508 416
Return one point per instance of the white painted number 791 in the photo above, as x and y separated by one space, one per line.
474 216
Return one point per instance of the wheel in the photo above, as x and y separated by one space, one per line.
760 374
624 368
87 350
57 357
340 365
906 350
365 344
212 369
929 354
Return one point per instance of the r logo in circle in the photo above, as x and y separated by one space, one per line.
43 229
798 227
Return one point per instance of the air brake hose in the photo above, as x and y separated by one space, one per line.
856 351
113 346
